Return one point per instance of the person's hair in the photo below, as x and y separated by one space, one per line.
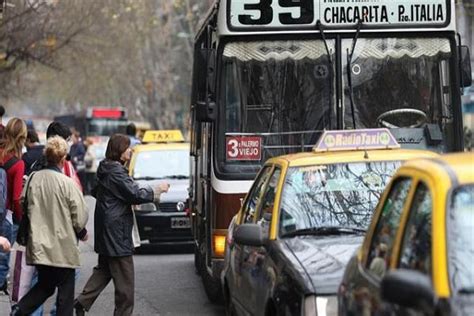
2 111
14 138
58 129
32 136
56 150
131 130
117 145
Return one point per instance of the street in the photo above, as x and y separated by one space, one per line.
165 282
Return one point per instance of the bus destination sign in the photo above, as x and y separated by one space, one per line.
287 14
244 148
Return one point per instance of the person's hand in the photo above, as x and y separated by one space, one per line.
164 187
85 238
5 244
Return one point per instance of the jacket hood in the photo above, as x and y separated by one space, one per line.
324 258
106 167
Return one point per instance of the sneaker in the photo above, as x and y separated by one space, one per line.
4 288
16 311
80 311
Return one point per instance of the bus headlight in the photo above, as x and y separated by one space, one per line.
147 207
320 305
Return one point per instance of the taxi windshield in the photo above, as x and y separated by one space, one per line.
336 195
162 164
461 240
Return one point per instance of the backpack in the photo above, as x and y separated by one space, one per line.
3 189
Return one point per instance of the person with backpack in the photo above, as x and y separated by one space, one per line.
11 185
55 226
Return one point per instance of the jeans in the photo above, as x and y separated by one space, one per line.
9 230
40 310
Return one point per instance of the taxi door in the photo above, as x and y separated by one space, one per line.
241 256
258 275
363 289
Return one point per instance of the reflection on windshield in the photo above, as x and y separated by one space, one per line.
394 73
342 195
278 86
162 164
461 239
104 127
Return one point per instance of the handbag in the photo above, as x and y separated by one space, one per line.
24 228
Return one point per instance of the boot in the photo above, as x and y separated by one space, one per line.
4 288
80 311
16 311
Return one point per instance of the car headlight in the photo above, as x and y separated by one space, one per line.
147 207
320 305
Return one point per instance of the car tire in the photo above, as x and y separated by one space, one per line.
197 260
212 286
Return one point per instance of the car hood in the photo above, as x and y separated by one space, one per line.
324 259
178 191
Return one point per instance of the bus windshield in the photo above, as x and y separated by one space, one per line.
410 75
106 127
278 86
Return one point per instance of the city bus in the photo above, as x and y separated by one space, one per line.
270 76
97 121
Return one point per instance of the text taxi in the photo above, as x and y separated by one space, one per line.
418 255
301 221
163 156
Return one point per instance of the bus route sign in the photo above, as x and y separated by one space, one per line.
244 148
288 14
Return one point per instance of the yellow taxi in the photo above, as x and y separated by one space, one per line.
302 219
163 156
418 255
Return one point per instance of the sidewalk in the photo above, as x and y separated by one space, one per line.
4 304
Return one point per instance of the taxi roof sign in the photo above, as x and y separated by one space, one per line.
163 136
377 138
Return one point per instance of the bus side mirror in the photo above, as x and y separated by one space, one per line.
466 72
206 111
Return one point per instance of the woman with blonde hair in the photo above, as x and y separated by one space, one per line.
58 216
10 159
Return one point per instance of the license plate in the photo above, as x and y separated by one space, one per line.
180 222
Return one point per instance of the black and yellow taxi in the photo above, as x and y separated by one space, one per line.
301 221
418 255
163 156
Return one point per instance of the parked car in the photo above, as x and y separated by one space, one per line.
302 219
417 257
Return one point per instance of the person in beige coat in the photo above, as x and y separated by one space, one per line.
58 216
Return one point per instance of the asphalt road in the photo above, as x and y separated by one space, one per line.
165 282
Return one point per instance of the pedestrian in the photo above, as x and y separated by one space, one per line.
77 154
2 127
10 153
63 131
58 216
115 192
132 134
91 163
34 150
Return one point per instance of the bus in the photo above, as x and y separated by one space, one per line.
270 76
97 121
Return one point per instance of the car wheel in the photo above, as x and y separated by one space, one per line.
197 260
212 286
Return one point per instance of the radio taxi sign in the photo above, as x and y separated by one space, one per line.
244 148
285 14
163 136
379 138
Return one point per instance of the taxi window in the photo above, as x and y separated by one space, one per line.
461 240
268 201
386 229
416 250
250 206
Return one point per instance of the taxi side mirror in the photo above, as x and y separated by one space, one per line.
465 63
410 289
206 111
249 235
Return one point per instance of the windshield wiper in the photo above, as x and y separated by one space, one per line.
349 73
319 25
148 178
325 231
178 176
467 290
